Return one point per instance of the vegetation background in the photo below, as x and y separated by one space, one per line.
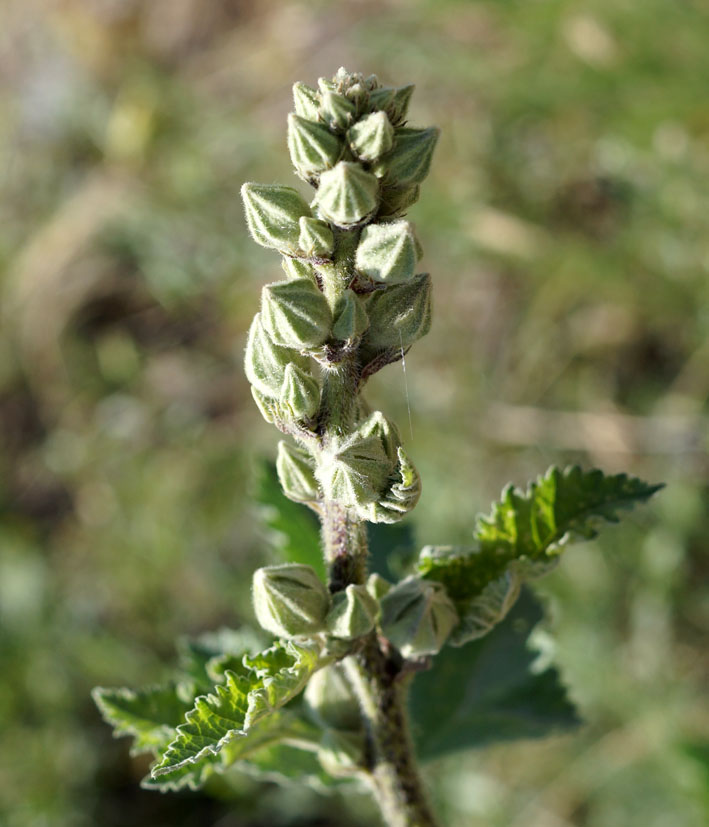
566 225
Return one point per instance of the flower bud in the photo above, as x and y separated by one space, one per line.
395 102
290 600
350 318
297 268
377 425
300 394
341 754
313 148
266 362
336 110
306 101
330 701
316 239
295 473
347 194
354 613
410 159
396 200
371 137
296 314
399 314
401 496
354 471
377 586
417 617
272 214
388 252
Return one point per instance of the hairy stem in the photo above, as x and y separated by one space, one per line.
396 782
377 681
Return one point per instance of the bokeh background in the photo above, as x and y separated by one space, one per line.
566 225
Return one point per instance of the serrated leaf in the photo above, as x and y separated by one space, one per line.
292 529
492 692
533 525
150 715
234 708
204 659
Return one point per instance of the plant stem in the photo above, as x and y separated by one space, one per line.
396 782
377 681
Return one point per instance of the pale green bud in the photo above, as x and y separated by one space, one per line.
377 586
377 425
410 159
316 239
354 471
306 101
300 394
330 701
290 600
400 314
336 110
296 314
396 200
354 613
297 268
350 318
371 137
265 363
399 498
272 214
417 617
388 252
347 194
295 473
395 102
341 754
313 148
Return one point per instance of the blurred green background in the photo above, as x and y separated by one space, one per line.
566 226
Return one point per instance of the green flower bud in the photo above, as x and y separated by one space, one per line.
395 102
296 314
417 617
316 239
377 586
388 252
399 498
410 159
330 701
377 425
295 473
266 405
396 200
354 471
266 362
336 110
306 101
350 318
272 214
354 613
341 754
300 394
297 268
313 148
371 137
347 194
290 600
399 314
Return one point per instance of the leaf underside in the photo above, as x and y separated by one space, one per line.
491 691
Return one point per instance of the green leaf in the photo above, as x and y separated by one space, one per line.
533 526
292 529
150 714
231 712
204 659
491 691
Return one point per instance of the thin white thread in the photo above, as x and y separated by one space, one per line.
406 384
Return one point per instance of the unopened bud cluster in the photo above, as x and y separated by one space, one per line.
351 300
